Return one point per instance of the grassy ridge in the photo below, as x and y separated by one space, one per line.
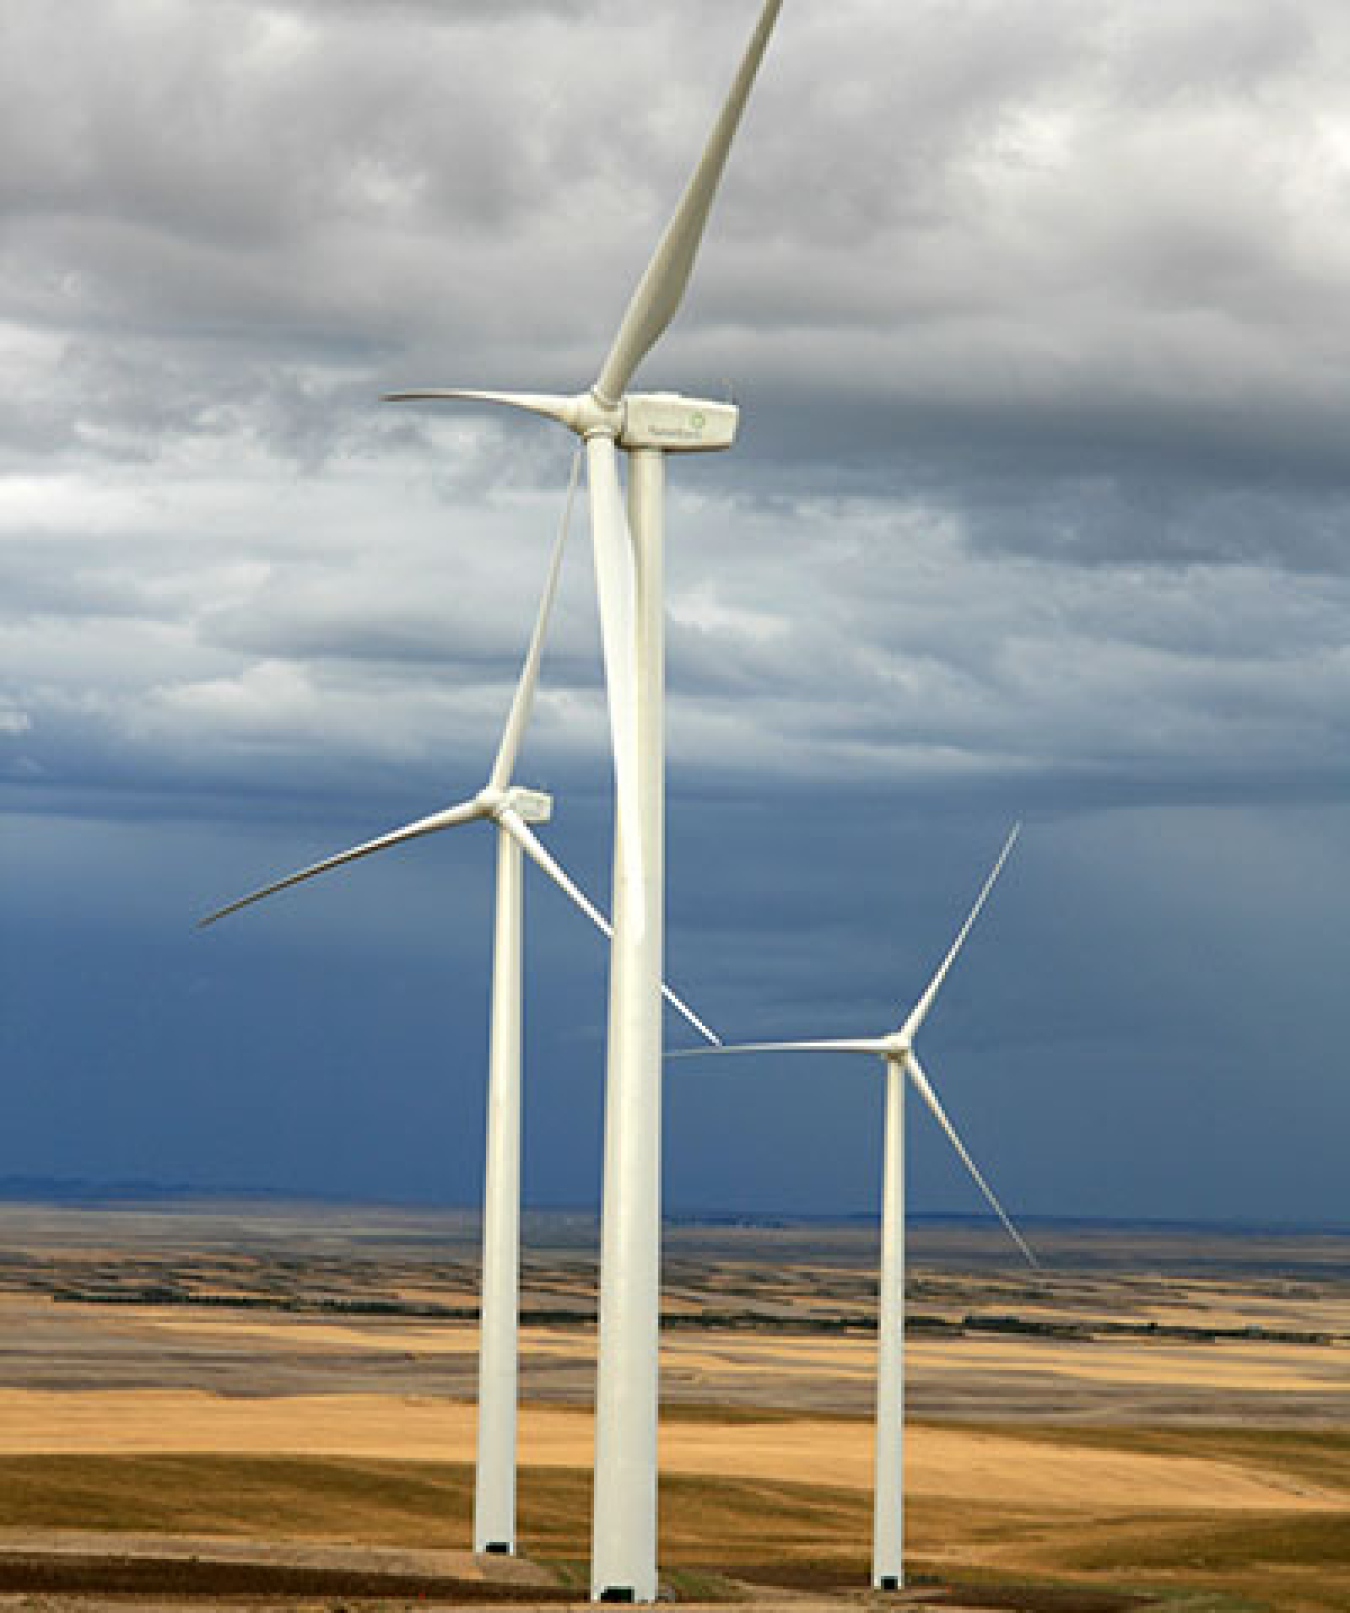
771 1532
1318 1456
374 1502
415 1504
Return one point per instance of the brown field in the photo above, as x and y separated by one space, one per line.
193 1398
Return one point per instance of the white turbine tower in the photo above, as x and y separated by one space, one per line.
512 808
629 569
897 1051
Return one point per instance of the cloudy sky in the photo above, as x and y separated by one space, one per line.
1036 311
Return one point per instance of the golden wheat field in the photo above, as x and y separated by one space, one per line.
274 1404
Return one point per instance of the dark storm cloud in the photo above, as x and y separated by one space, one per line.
1085 485
292 172
1036 217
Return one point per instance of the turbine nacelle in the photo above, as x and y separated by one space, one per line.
664 420
676 424
530 806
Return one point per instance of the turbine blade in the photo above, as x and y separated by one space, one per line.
861 1045
924 1087
920 1011
661 288
614 586
464 813
548 404
522 701
531 844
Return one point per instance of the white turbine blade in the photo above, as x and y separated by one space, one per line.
920 1012
860 1045
661 288
523 700
924 1087
530 843
614 586
547 404
464 813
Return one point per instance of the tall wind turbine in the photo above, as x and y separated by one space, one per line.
513 809
629 569
897 1052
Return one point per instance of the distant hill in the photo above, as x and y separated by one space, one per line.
76 1190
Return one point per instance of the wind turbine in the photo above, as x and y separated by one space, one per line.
629 568
513 809
897 1051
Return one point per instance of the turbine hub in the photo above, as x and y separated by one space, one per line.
590 416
